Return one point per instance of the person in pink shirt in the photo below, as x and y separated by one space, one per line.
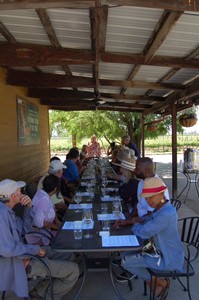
93 148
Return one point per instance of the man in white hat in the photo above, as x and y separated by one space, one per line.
56 168
12 248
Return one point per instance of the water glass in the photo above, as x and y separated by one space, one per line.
78 230
106 224
87 218
104 208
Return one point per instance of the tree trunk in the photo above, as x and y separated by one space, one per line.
74 140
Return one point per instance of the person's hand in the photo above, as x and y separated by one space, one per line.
25 200
42 252
119 223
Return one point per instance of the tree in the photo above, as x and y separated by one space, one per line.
111 125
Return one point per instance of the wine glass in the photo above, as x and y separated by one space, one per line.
87 218
77 199
104 184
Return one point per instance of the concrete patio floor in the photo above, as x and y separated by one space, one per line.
98 286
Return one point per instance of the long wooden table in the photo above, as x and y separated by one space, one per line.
64 240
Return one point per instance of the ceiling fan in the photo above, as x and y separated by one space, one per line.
98 101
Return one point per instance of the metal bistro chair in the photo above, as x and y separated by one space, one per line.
176 203
31 190
190 237
33 281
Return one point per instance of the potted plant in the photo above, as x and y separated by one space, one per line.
152 127
188 118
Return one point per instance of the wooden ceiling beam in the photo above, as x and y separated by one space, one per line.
164 27
31 4
33 79
163 61
79 102
191 90
174 5
45 20
158 36
21 55
141 84
7 35
69 94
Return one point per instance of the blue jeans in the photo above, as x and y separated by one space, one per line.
136 264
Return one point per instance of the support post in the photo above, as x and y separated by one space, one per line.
142 135
174 151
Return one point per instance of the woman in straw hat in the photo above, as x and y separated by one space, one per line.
128 190
161 225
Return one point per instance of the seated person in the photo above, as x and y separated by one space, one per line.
71 173
161 226
12 249
128 190
126 141
56 168
111 148
144 168
93 147
84 154
43 208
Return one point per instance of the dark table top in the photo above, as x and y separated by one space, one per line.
64 240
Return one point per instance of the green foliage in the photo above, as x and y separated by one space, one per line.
111 125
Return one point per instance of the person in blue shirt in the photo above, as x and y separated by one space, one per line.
161 226
126 141
12 248
71 173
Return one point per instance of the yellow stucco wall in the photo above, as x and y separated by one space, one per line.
20 162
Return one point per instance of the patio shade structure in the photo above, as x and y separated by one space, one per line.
124 55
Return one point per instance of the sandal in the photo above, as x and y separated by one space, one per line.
164 293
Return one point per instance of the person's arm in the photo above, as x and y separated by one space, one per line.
152 226
10 245
137 152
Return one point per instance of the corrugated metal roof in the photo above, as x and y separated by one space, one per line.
183 38
129 28
25 26
72 27
113 66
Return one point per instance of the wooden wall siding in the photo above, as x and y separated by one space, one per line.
16 161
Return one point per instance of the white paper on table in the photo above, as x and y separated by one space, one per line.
119 241
111 189
86 177
107 198
81 206
102 217
70 225
83 194
112 181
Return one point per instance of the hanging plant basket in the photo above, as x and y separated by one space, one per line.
187 121
152 127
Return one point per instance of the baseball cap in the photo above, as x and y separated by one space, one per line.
8 187
55 166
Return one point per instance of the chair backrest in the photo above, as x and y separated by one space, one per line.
31 190
176 203
190 231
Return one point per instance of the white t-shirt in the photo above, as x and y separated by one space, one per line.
143 207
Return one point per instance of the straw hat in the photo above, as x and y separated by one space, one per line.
152 186
127 163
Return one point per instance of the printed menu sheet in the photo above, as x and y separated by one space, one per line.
109 217
81 206
70 225
119 241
